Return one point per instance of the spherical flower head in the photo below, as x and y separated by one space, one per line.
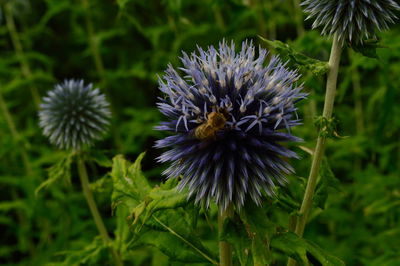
228 115
351 20
73 115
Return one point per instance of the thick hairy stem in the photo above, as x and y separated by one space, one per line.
306 205
225 249
93 208
19 51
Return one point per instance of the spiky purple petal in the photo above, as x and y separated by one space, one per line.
245 159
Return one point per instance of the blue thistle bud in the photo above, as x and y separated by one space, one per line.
228 115
72 115
351 20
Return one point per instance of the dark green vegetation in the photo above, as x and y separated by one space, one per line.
121 46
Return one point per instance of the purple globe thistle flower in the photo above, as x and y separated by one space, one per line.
228 115
351 20
73 114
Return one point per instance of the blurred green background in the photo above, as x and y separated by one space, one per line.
121 46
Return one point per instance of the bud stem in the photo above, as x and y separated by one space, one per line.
306 205
94 210
225 249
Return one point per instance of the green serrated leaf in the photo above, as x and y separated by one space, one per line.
130 186
178 242
298 60
236 234
61 170
95 253
297 248
260 231
159 199
122 232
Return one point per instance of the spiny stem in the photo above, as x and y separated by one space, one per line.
306 205
19 51
93 208
225 249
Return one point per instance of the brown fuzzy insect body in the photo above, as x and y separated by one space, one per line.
215 121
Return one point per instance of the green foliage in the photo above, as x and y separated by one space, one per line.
299 248
367 48
44 222
298 60
61 170
256 239
93 254
328 184
159 216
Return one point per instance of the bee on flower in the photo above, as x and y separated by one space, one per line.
228 114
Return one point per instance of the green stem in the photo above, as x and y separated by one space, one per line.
306 205
262 29
94 45
219 19
225 249
272 24
15 136
93 208
298 17
99 65
19 51
22 219
358 107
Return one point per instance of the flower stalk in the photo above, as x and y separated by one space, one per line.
83 176
22 219
94 46
225 249
15 136
331 85
19 51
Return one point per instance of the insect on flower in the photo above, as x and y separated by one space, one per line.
228 115
215 122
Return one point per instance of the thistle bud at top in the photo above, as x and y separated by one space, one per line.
73 115
228 114
351 20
